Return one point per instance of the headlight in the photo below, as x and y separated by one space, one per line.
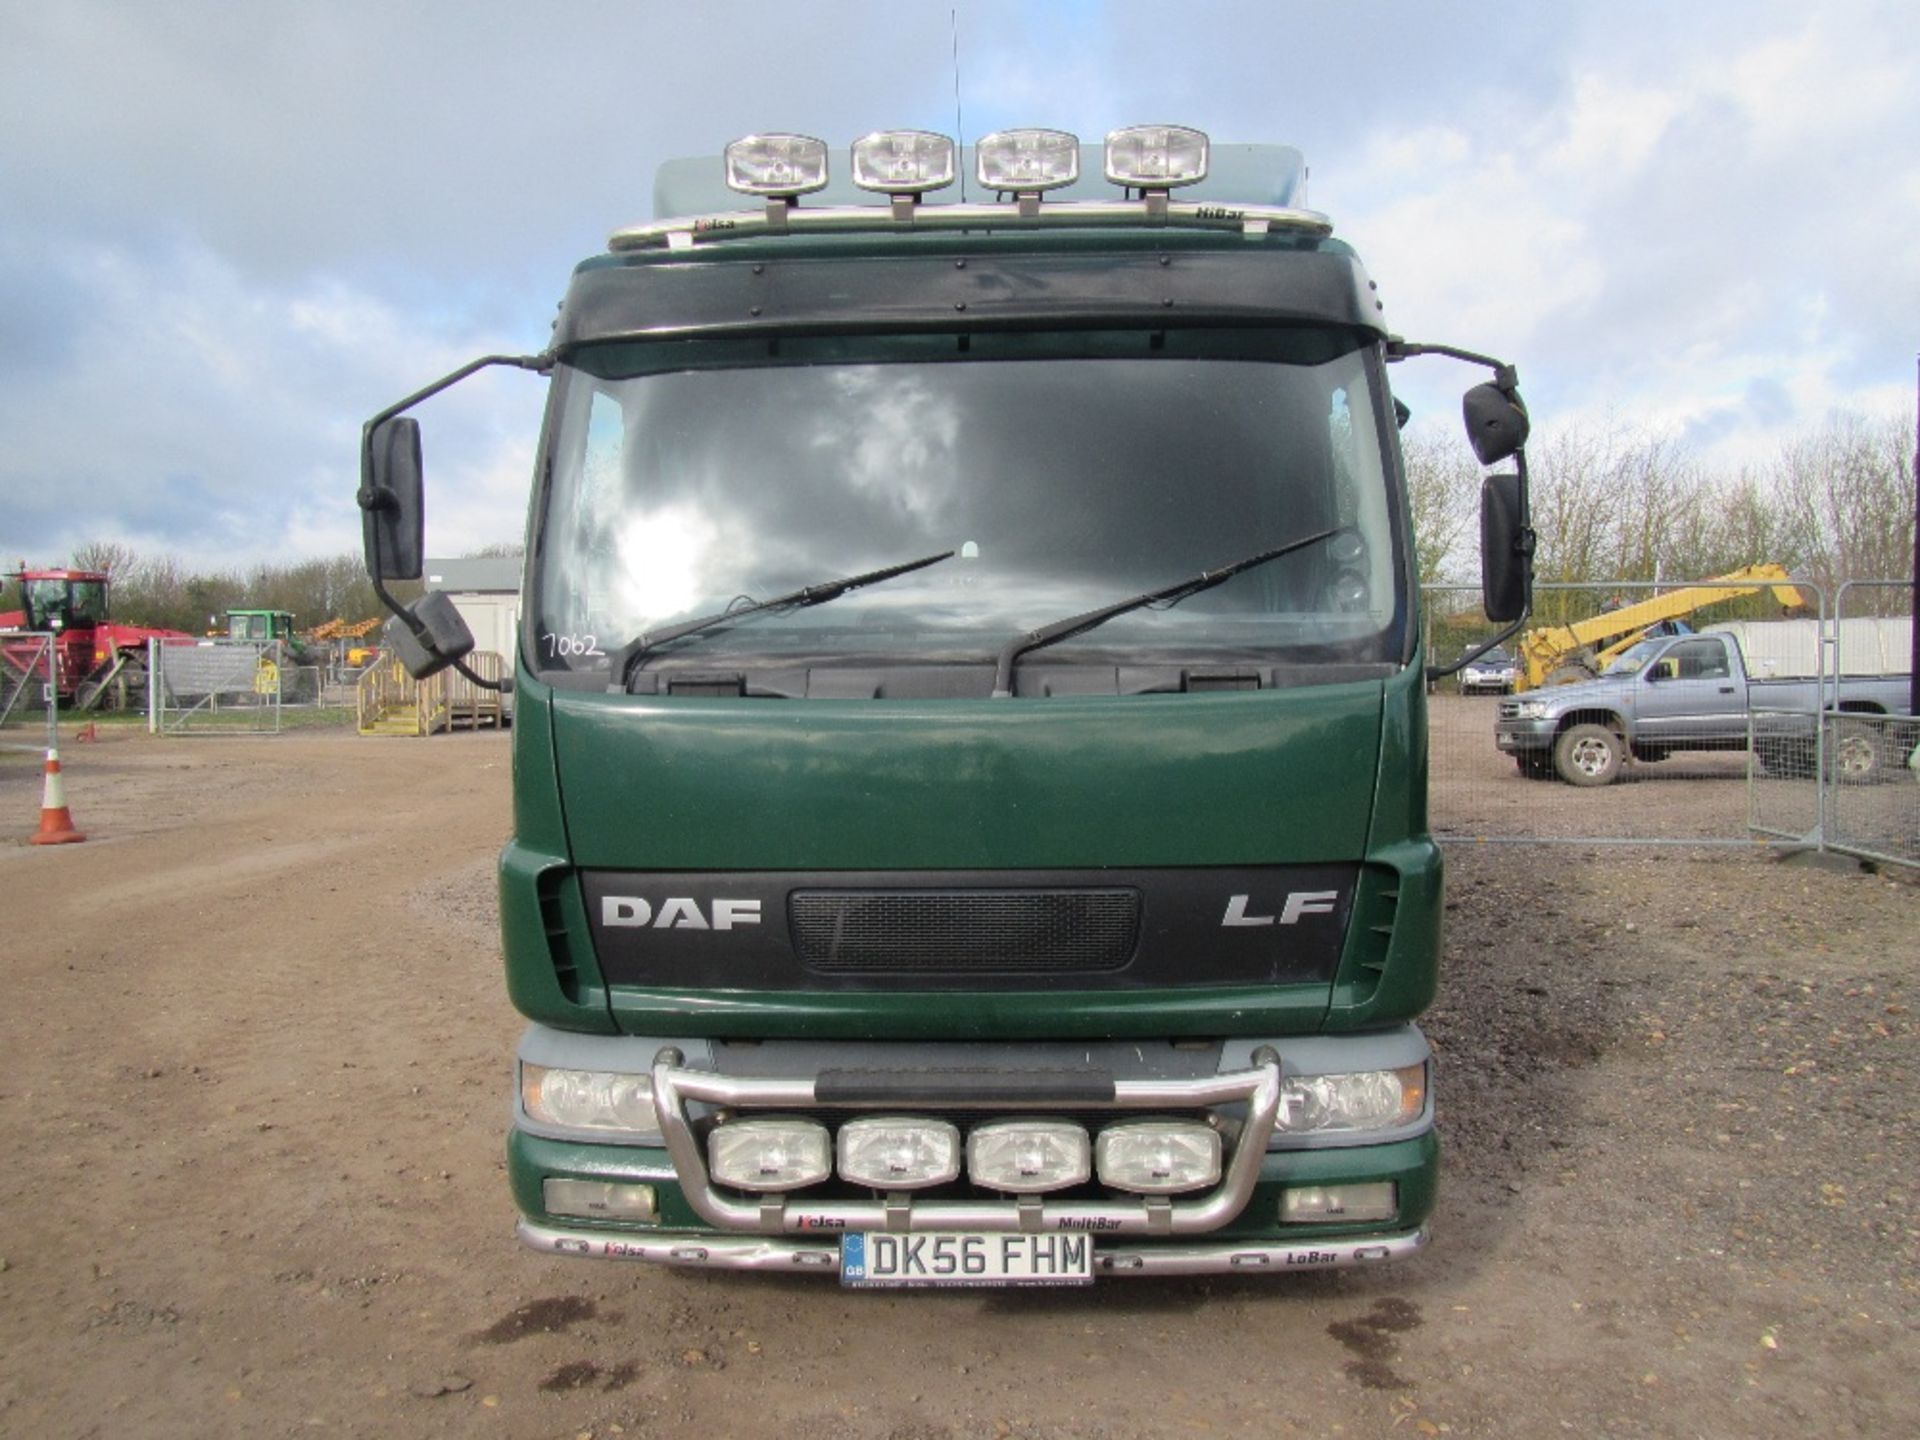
1532 710
589 1100
1361 1100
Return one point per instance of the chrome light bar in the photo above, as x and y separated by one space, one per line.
675 1088
1252 220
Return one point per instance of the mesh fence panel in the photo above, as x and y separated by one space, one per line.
229 687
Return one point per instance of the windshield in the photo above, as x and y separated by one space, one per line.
1064 474
1633 660
77 603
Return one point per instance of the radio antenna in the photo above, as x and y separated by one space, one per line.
959 130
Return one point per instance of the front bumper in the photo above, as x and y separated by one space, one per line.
1233 1227
1515 737
730 1252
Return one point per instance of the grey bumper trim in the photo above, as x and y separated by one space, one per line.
731 1252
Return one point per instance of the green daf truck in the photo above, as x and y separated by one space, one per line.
970 752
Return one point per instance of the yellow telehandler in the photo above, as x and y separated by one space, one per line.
1562 654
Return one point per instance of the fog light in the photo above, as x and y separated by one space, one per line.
899 1154
770 1154
1319 1204
1024 1157
1026 160
599 1200
1158 1157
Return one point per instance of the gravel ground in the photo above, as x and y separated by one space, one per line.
257 1065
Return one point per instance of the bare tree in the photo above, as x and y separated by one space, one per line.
1443 491
1847 490
110 556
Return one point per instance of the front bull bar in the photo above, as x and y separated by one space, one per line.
1257 1088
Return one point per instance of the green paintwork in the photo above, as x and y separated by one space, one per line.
1230 779
536 859
1235 778
1413 1165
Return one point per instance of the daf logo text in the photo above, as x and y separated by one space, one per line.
676 913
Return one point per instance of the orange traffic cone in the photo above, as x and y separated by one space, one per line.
56 821
88 732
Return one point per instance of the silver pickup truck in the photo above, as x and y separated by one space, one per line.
1692 692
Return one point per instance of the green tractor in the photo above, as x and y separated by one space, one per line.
299 664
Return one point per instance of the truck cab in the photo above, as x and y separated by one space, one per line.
260 626
970 745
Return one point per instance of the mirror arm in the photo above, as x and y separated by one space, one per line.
541 363
504 686
371 499
1440 672
1504 375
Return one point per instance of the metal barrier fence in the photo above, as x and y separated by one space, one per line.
1873 790
215 687
28 694
1808 780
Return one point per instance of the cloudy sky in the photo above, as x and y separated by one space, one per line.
230 231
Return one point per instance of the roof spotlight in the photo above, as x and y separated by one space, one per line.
1156 157
1027 161
903 162
778 166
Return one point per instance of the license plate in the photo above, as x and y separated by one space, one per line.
874 1259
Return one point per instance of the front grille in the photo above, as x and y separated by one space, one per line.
871 931
1509 710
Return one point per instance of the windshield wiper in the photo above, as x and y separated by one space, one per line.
1172 594
626 655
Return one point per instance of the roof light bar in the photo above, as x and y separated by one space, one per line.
1156 157
778 166
1027 161
688 231
903 162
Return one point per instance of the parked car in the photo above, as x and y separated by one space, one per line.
1494 673
1694 692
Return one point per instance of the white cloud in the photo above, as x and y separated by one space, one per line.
233 232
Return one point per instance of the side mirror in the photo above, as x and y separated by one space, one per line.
1506 566
444 636
392 512
1497 423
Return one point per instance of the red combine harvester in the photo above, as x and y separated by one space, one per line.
97 662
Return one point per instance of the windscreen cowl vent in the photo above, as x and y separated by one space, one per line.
708 687
1202 680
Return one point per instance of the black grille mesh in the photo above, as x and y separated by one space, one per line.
875 931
